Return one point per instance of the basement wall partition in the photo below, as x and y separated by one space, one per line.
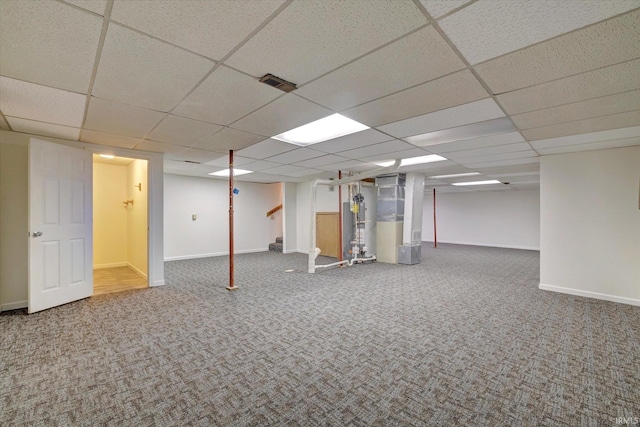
208 199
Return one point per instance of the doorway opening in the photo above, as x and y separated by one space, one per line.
120 224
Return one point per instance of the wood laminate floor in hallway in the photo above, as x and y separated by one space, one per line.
116 279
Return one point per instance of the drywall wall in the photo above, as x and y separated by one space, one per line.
14 215
590 224
110 240
208 234
326 201
14 272
137 216
275 223
289 210
506 218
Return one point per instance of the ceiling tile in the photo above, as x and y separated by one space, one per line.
376 149
194 155
180 131
95 6
593 84
158 147
504 169
610 42
45 129
517 154
303 172
617 143
4 125
48 43
385 71
486 151
122 119
471 131
260 165
108 139
470 144
613 121
346 166
266 148
490 164
138 70
354 140
296 155
320 161
472 112
606 105
284 169
487 29
211 29
282 115
403 154
225 96
455 89
308 39
41 103
223 161
229 139
437 8
586 138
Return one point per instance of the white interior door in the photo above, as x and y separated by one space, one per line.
60 225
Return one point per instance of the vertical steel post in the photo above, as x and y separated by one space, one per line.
232 285
340 218
435 239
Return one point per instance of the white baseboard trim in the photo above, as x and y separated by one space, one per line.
137 270
244 251
14 305
589 294
157 283
113 264
290 251
487 245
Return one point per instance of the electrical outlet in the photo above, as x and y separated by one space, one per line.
194 217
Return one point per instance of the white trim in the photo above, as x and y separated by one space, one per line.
245 251
291 251
157 283
134 268
110 265
589 294
487 245
14 306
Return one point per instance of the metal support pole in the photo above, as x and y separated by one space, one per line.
232 285
435 239
340 218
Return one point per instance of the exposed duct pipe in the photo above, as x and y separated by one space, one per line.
313 251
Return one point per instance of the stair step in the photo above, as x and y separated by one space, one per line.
278 239
275 247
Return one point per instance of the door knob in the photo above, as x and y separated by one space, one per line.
37 233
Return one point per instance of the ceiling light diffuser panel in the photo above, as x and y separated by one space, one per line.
330 127
475 130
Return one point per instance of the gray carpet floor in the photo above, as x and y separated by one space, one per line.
464 338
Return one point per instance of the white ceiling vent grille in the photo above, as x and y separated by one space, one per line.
278 83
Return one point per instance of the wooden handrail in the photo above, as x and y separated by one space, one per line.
274 210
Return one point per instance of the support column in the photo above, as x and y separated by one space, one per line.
232 285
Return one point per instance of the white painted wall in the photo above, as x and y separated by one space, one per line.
289 217
209 234
14 216
506 218
326 201
590 224
110 240
137 216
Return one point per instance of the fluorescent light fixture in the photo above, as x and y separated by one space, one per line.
455 175
107 156
471 131
236 172
413 160
330 127
491 181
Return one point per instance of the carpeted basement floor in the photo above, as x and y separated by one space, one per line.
464 338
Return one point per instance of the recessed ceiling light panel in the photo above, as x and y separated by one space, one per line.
330 127
455 175
236 172
414 160
491 181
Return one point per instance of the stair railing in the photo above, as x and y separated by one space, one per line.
274 210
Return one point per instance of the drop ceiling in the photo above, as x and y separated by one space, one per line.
490 85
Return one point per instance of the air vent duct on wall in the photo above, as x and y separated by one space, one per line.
278 83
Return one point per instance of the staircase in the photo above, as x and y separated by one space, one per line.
277 246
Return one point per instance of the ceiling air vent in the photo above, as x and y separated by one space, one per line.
278 83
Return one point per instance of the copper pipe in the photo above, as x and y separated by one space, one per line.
340 218
231 261
435 239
